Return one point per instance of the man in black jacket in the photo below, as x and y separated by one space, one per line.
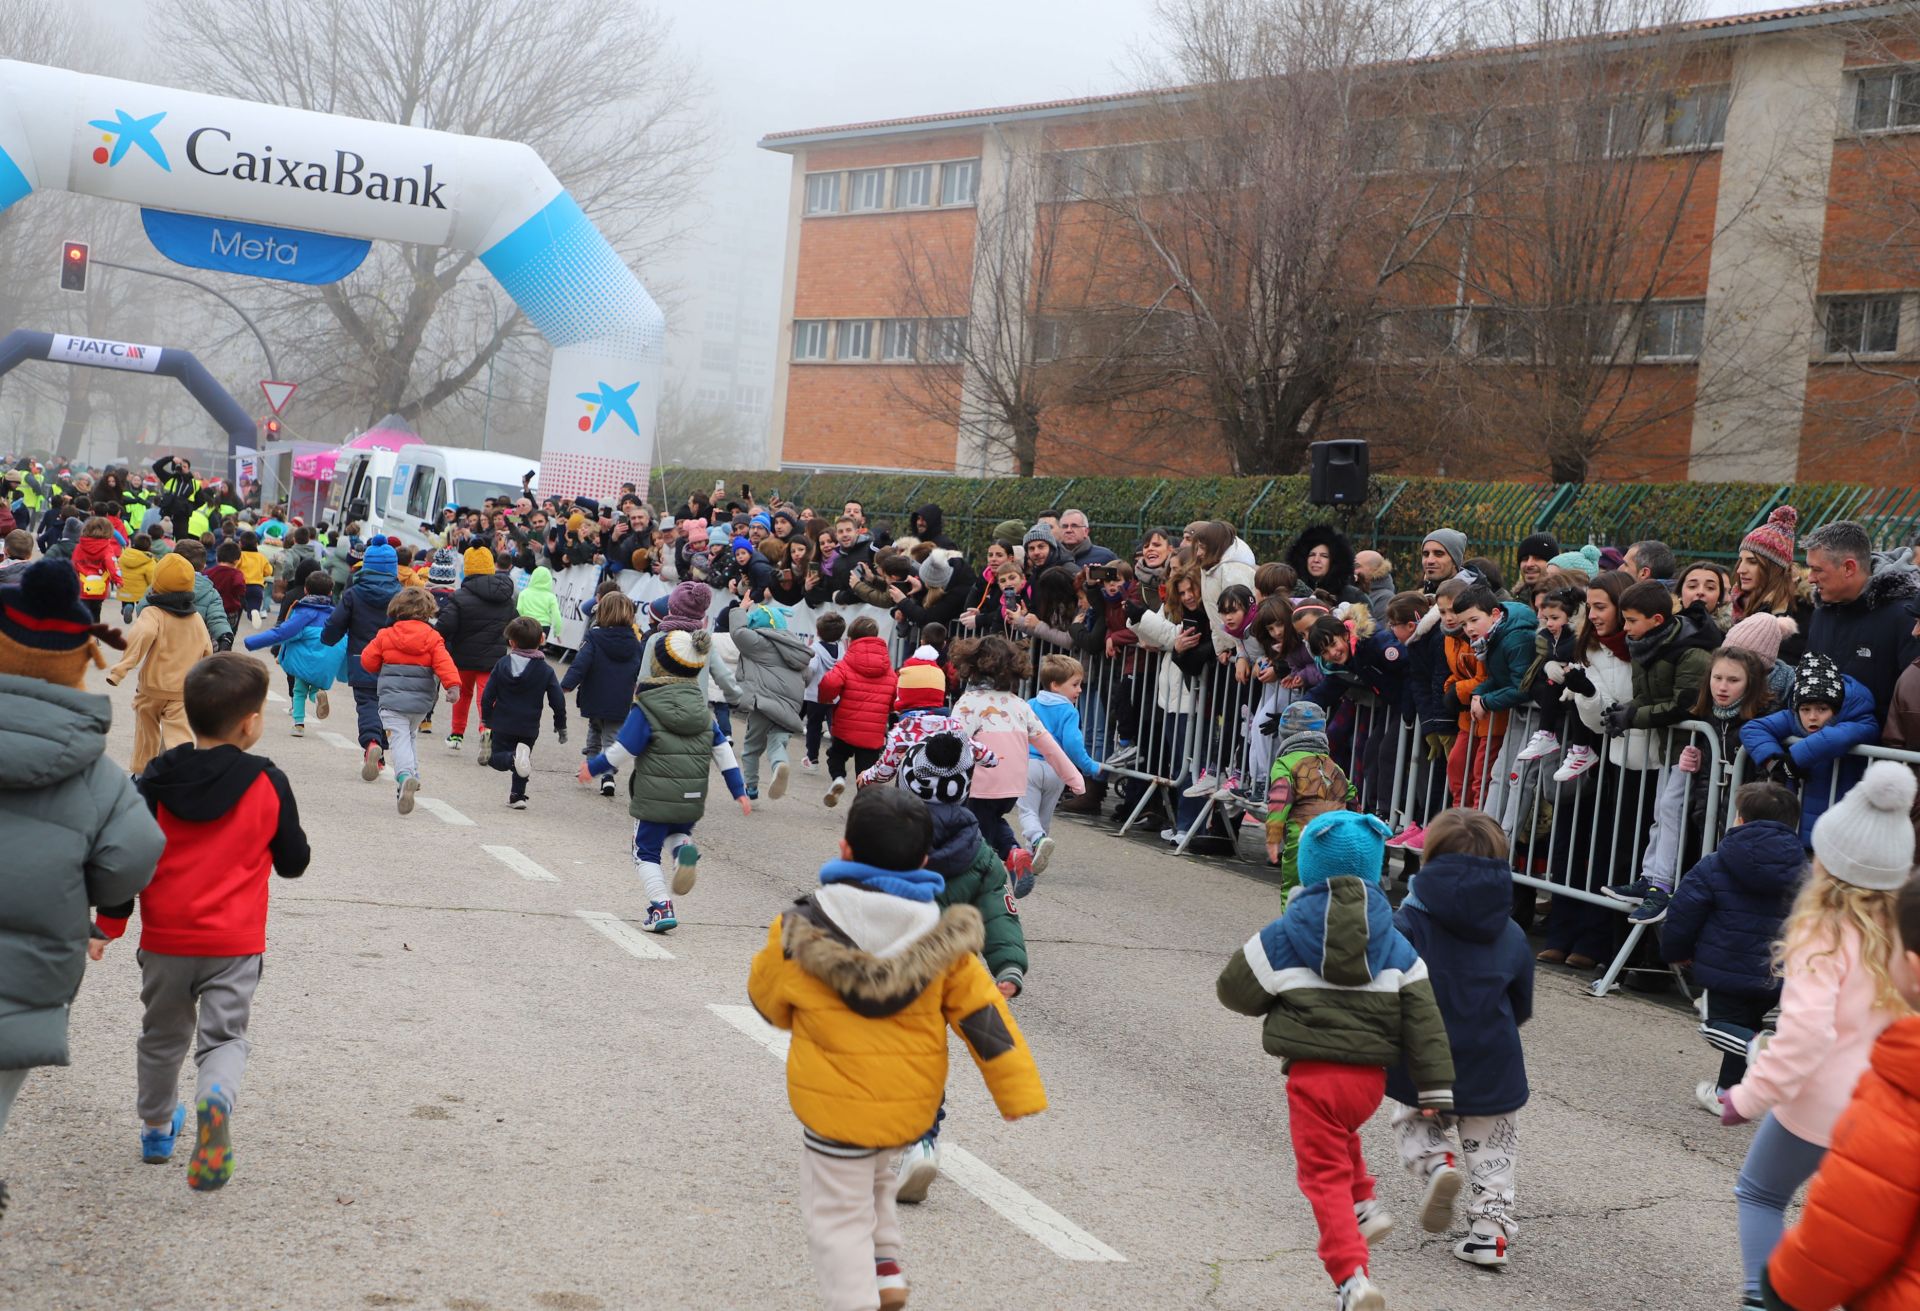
1860 618
178 488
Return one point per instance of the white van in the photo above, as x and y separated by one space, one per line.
392 493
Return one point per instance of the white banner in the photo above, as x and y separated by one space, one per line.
102 354
575 586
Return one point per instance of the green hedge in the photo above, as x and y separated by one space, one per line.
1698 520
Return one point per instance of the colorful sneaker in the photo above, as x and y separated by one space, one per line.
370 761
685 869
321 709
454 741
1042 855
212 1163
299 729
156 1145
523 760
1483 1245
659 917
1410 838
1577 762
777 785
1232 781
1374 1220
914 1171
1541 745
891 1281
1632 893
1436 1204
607 787
1359 1294
1205 784
1020 870
1653 908
409 785
834 789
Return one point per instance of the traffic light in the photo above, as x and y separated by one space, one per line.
73 266
273 430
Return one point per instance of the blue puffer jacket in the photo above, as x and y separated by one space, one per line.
1062 720
302 652
604 672
1459 917
1857 724
1729 908
362 611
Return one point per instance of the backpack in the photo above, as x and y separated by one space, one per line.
93 587
1313 786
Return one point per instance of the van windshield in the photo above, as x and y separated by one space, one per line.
470 492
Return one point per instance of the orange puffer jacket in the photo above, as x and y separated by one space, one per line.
862 685
1465 673
1858 1241
410 657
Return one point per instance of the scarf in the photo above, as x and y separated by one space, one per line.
1643 649
1309 741
1725 712
1479 644
1616 642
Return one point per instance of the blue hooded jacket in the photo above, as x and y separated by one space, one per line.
362 611
303 652
1062 719
1857 724
604 671
1729 908
1459 917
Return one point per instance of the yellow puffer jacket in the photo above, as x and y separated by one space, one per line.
868 1064
136 575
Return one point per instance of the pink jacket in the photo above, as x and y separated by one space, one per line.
1005 724
1828 1024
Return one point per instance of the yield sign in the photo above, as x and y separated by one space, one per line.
279 393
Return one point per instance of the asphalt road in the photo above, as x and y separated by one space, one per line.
467 1091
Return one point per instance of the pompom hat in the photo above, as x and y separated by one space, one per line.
45 631
1866 838
1582 560
1346 842
939 767
922 685
1817 680
678 657
1773 540
1762 635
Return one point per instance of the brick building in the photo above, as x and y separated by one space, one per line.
1756 315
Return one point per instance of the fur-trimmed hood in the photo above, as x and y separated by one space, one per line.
876 986
1891 582
1340 568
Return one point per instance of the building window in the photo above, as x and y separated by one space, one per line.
1696 119
1447 140
1672 331
823 193
810 339
897 338
946 340
1502 335
1050 340
1425 334
1616 128
720 320
913 186
854 340
1510 136
959 182
1863 325
866 189
1885 99
1376 145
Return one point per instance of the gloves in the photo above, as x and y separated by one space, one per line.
1271 724
1576 680
1134 610
1781 769
224 642
1440 745
1618 720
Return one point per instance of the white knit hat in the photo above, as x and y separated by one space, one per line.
1866 838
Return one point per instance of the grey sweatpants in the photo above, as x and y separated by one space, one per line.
764 740
187 996
1044 788
601 734
10 1083
403 735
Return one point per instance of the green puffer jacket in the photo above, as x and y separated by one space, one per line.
979 880
1670 666
77 834
668 782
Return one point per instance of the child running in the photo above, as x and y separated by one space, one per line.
510 707
603 674
997 719
166 639
136 575
407 658
1345 997
773 682
1303 784
1057 707
671 725
1845 982
1458 914
828 629
309 662
868 974
229 818
255 568
474 622
860 689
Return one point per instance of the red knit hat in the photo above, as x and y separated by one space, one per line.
923 683
1773 540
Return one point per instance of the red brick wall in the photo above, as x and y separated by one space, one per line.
852 414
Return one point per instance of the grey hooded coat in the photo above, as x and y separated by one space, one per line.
773 671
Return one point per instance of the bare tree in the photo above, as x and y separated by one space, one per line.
399 336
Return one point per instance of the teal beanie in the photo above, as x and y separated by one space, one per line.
1343 842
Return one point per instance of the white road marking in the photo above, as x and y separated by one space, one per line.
333 739
443 812
275 697
520 864
636 941
1021 1208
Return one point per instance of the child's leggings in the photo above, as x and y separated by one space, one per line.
1044 788
302 690
1777 1164
863 759
654 842
853 1226
402 736
1487 1143
992 814
473 686
1470 766
816 725
1326 1105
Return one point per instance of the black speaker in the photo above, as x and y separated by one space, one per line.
1339 472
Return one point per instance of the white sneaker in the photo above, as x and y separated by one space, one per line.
1436 1204
1208 782
777 785
1707 1093
409 786
1170 835
834 789
1359 1294
1541 744
1042 853
523 760
516 803
299 730
915 1170
1483 1245
1579 760
1375 1222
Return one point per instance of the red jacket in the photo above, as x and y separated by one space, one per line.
860 689
411 642
230 583
1858 1241
229 818
98 555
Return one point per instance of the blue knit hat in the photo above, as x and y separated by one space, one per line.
1343 842
1302 717
380 559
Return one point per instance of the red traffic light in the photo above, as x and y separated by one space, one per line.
73 267
273 430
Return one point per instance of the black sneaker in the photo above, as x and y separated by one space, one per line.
1652 908
1632 893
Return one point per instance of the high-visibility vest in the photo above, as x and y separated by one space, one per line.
197 522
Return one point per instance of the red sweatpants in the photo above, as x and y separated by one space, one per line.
473 685
1468 765
1326 1105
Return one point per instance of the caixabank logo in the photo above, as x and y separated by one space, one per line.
606 403
211 150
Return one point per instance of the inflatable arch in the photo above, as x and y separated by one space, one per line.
296 195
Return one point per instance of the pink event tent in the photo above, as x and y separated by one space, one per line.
390 434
